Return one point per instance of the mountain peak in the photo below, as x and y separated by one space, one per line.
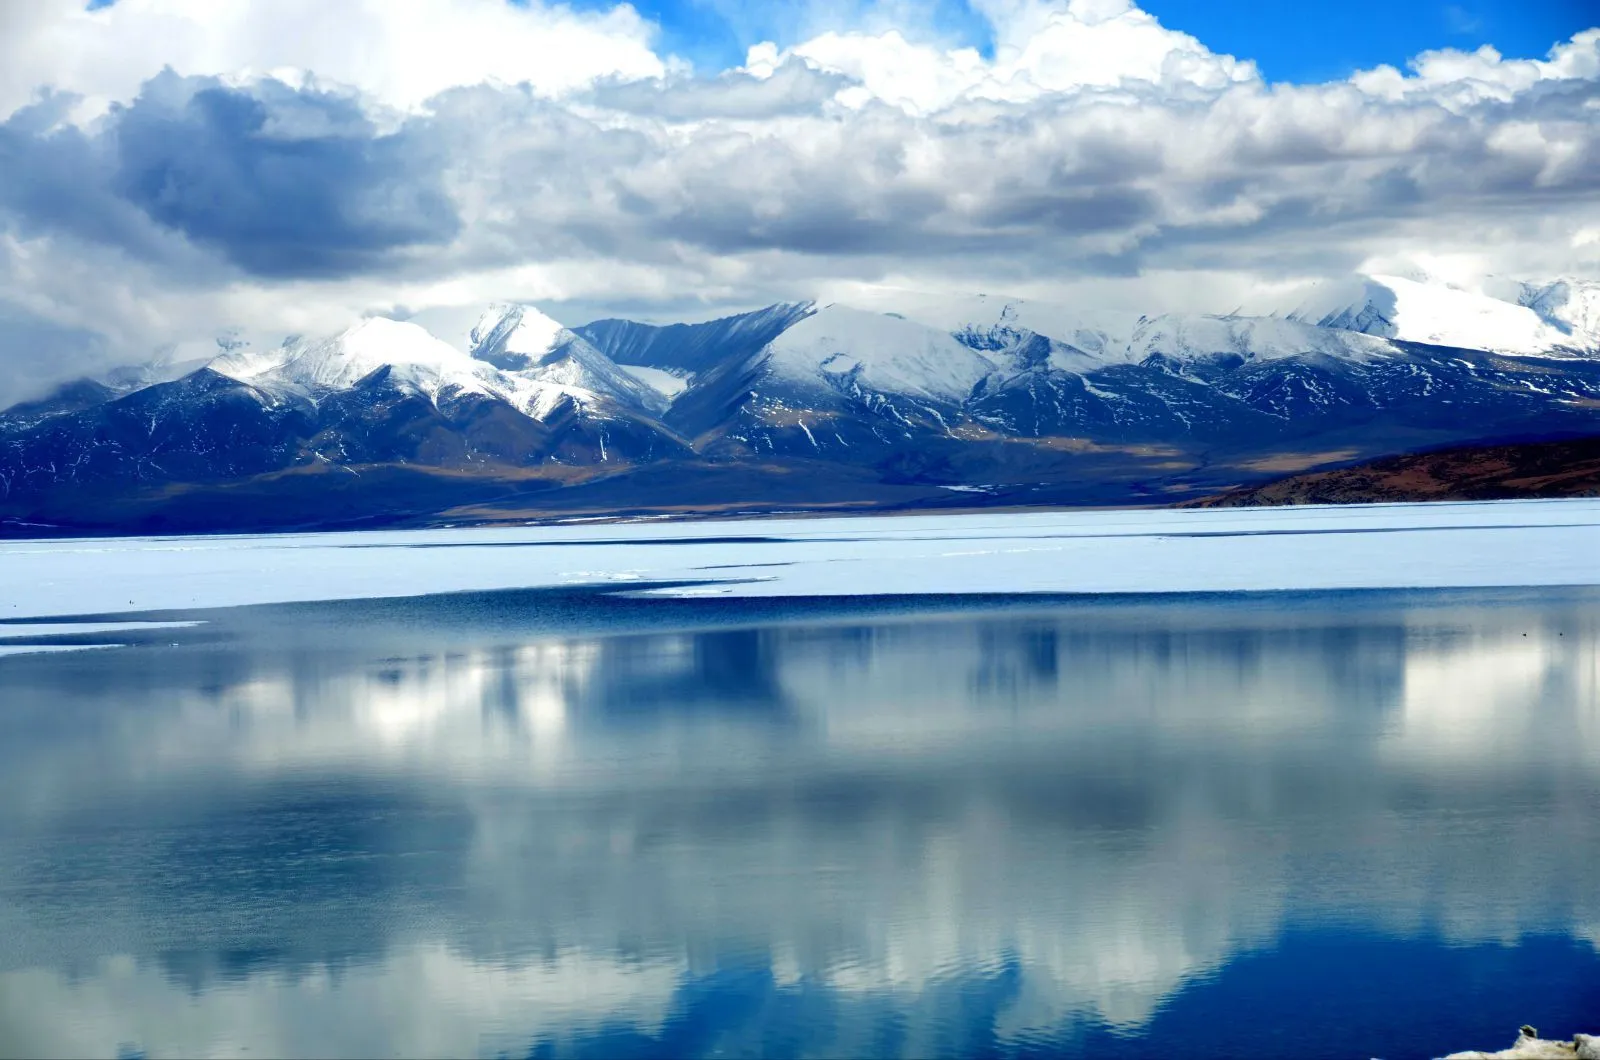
418 361
883 350
513 336
372 344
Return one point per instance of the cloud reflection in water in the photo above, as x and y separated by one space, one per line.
429 836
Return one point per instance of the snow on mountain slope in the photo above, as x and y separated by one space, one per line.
1083 340
1570 306
879 352
515 336
663 382
1559 317
416 359
126 379
547 361
417 362
247 364
1184 337
1430 312
540 365
990 321
577 371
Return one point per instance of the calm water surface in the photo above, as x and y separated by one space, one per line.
556 824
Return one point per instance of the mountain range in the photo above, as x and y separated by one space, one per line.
900 401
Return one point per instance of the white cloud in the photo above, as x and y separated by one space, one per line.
1040 49
1463 78
399 56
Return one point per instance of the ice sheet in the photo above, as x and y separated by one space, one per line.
45 649
10 631
1511 543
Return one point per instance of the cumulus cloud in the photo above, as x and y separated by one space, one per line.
172 168
1041 48
397 59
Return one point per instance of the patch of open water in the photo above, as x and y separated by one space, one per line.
561 823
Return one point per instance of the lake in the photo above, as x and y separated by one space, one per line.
562 821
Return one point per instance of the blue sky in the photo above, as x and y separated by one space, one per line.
1317 40
1301 42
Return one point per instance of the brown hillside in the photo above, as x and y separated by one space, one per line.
1484 472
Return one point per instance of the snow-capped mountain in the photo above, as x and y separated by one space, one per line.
515 337
414 359
518 355
1084 340
835 380
1560 318
683 350
854 349
519 358
900 395
993 322
544 363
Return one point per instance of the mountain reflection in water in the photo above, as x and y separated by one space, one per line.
535 824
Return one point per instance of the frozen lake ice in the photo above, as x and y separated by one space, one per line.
1515 543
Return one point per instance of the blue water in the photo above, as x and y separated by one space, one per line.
560 824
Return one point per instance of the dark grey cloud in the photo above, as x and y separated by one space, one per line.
36 352
279 182
1072 211
282 182
56 181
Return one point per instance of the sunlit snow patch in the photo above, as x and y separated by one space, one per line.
658 379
